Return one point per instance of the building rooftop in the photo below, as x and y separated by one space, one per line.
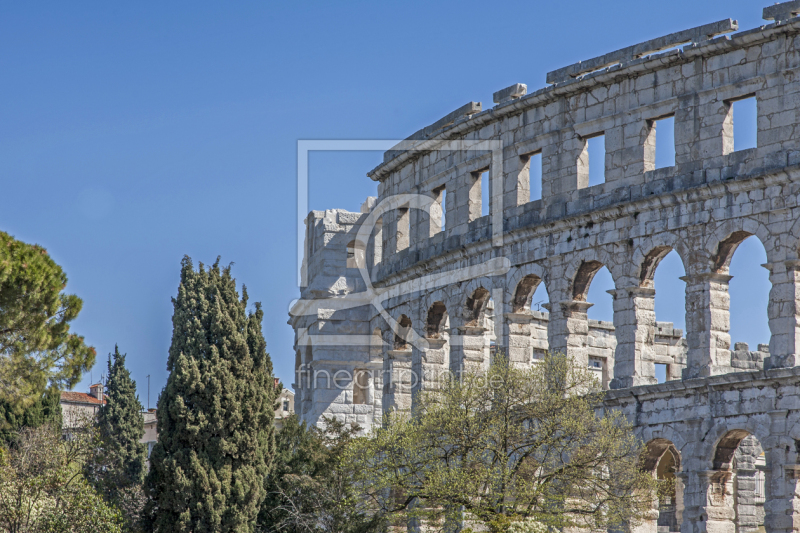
80 397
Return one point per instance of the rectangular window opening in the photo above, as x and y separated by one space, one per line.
535 176
661 372
440 195
596 151
485 194
360 386
744 119
377 243
403 228
664 130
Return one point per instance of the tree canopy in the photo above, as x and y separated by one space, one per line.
507 447
36 345
215 415
119 463
310 488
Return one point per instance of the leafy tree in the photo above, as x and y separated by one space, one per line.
42 489
119 463
215 415
36 346
310 488
46 409
510 449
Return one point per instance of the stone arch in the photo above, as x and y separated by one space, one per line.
583 279
475 305
737 486
655 450
516 276
583 268
649 252
722 243
524 292
663 460
402 333
436 319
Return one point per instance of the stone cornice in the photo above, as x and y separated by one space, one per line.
584 83
699 193
723 382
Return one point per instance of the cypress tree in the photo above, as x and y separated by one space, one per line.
121 426
46 409
215 415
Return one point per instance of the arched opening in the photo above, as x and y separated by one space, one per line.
475 335
435 365
664 461
741 256
402 333
527 323
592 283
738 488
436 322
662 271
475 307
749 290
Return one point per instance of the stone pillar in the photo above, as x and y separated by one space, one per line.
568 330
519 349
782 507
467 350
783 309
433 365
398 381
634 324
708 498
707 325
745 490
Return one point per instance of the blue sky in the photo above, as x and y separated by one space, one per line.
133 134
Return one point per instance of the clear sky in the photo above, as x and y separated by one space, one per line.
132 134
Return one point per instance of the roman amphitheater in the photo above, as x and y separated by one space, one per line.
424 280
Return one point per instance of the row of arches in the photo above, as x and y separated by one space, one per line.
731 495
624 338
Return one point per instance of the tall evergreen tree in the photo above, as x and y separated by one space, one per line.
37 349
215 415
121 426
46 409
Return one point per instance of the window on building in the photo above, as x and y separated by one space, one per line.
403 228
740 130
286 405
535 176
360 386
351 255
596 159
662 371
439 218
486 199
664 131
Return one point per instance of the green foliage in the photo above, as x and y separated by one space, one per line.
310 488
215 415
81 510
118 466
512 449
35 341
42 489
46 409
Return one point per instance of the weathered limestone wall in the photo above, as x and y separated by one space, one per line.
445 284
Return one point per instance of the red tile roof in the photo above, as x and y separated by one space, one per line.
80 397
